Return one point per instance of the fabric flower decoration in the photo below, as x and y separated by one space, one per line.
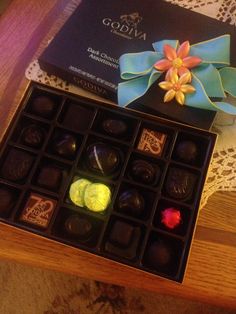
176 87
179 60
207 64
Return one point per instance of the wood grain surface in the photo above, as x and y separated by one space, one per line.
25 28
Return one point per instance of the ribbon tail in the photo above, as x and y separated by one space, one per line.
131 90
200 99
210 78
226 107
228 77
215 50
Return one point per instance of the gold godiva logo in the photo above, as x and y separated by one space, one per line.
126 26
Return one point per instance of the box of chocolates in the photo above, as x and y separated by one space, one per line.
86 50
114 182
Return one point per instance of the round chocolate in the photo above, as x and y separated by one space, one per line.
7 201
97 197
131 202
43 106
50 177
32 136
142 171
159 254
78 226
17 165
65 145
77 190
102 159
186 151
114 127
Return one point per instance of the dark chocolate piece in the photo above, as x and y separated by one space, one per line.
152 142
43 106
131 202
65 145
143 171
102 159
121 234
159 254
179 183
38 210
79 227
123 240
32 136
78 118
114 127
49 177
8 200
16 165
187 151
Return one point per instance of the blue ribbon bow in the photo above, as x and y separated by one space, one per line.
210 79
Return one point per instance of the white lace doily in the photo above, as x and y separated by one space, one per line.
222 172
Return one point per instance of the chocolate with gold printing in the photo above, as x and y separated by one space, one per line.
152 142
38 210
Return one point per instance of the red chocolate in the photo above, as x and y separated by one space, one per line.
152 142
171 217
38 210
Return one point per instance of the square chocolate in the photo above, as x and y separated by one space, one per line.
78 118
123 240
121 233
152 142
49 177
38 210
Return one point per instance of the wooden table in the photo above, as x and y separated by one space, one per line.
211 274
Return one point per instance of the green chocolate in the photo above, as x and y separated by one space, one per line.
77 190
97 197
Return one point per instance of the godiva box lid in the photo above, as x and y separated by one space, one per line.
87 48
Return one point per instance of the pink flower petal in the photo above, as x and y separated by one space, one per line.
169 52
191 62
183 50
169 73
182 70
162 65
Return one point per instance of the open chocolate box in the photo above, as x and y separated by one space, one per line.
115 182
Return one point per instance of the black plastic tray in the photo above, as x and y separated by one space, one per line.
142 241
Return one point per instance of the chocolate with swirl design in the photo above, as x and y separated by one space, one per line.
179 183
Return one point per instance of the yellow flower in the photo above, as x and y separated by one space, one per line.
177 87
